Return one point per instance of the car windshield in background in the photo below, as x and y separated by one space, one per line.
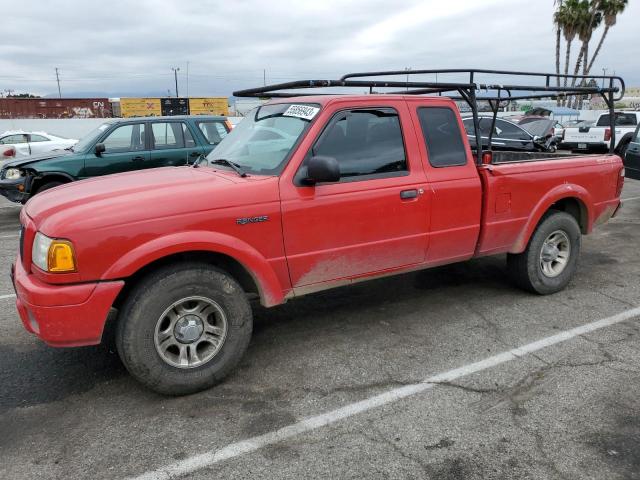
89 139
539 127
622 119
261 143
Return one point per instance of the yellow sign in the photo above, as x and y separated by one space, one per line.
140 107
209 106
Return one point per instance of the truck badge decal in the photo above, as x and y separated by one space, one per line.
246 220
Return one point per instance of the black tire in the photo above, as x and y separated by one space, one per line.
47 186
525 268
143 309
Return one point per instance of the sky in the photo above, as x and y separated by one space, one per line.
128 48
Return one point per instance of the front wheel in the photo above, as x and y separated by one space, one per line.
184 328
551 258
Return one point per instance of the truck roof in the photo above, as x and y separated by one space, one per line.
325 99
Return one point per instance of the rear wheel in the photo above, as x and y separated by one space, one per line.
551 257
184 328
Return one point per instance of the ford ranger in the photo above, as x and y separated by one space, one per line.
305 194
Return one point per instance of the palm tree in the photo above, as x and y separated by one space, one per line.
566 19
558 23
610 11
588 18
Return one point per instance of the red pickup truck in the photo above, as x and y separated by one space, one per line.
305 194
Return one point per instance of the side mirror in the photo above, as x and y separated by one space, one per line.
100 149
322 169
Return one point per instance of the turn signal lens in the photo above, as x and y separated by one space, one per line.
61 257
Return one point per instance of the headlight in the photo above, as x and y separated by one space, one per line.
12 173
53 255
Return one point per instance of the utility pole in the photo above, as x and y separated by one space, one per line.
604 73
407 69
175 74
58 80
264 77
187 79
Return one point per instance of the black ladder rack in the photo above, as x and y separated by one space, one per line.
611 90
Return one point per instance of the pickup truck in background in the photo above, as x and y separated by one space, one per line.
305 194
597 138
118 145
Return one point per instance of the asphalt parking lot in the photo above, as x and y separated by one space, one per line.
333 384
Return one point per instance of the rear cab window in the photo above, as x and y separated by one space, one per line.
367 143
622 120
442 137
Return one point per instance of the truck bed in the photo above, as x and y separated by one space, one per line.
501 157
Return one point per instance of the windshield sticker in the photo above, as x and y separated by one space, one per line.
301 111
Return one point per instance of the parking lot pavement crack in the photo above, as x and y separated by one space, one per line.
491 329
380 438
381 384
613 297
469 389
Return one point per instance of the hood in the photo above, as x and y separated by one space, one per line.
25 161
141 196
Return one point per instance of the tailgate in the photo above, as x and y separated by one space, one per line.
584 135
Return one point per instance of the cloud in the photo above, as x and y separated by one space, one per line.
122 46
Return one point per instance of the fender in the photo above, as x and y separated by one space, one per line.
566 190
269 287
38 176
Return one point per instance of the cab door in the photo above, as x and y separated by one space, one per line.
373 219
632 157
126 149
453 178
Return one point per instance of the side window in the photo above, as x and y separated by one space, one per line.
167 135
442 135
365 142
14 139
214 132
127 138
39 138
637 136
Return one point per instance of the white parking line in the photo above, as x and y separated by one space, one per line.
630 199
10 236
11 206
11 295
207 459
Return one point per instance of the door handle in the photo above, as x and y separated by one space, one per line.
137 159
408 194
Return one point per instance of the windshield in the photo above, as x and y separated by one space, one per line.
261 143
88 140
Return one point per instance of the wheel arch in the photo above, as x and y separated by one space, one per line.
245 264
625 140
43 178
573 199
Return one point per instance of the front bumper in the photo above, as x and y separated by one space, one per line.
14 189
63 315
